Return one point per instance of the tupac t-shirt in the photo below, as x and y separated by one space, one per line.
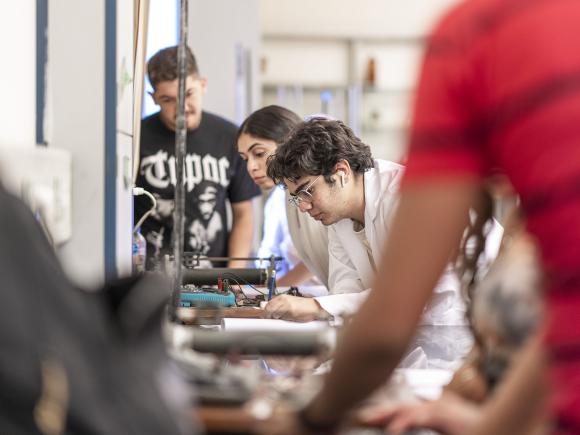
213 172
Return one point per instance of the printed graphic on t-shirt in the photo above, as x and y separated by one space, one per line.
159 170
205 180
205 230
213 173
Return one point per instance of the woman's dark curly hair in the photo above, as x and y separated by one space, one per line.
315 147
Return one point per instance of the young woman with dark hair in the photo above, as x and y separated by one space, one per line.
298 238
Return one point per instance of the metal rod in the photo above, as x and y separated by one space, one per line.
261 342
200 277
195 256
180 138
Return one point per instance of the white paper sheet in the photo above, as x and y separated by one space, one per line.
231 324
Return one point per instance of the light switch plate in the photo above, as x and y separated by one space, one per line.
41 176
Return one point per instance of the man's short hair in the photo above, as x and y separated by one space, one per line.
314 148
162 66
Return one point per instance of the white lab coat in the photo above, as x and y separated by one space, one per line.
350 271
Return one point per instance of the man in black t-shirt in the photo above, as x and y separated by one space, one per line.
213 170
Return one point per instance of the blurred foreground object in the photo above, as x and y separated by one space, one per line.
75 362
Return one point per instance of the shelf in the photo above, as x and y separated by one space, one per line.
303 88
370 90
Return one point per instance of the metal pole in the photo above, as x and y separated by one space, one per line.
180 138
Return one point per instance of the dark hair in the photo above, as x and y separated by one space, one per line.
162 66
314 148
471 247
270 122
472 244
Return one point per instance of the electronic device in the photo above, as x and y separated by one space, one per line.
222 286
192 297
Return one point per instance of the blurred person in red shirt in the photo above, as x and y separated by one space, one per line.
500 87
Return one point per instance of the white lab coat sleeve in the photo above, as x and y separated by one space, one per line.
344 304
345 286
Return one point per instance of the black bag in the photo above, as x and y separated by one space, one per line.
76 362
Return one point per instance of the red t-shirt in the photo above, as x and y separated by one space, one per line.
500 88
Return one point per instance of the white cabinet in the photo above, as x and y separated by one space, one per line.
369 84
317 57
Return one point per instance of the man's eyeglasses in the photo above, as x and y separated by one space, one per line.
303 194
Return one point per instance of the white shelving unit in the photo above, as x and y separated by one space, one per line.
331 75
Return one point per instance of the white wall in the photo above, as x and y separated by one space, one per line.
216 28
162 31
312 63
75 118
76 122
312 46
18 74
347 18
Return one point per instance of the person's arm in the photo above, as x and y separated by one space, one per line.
426 229
240 240
505 412
449 414
295 276
295 308
344 283
468 381
302 309
519 404
241 191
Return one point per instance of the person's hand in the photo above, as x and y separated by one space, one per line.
450 414
294 308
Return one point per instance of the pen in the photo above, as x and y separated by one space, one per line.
271 285
271 278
